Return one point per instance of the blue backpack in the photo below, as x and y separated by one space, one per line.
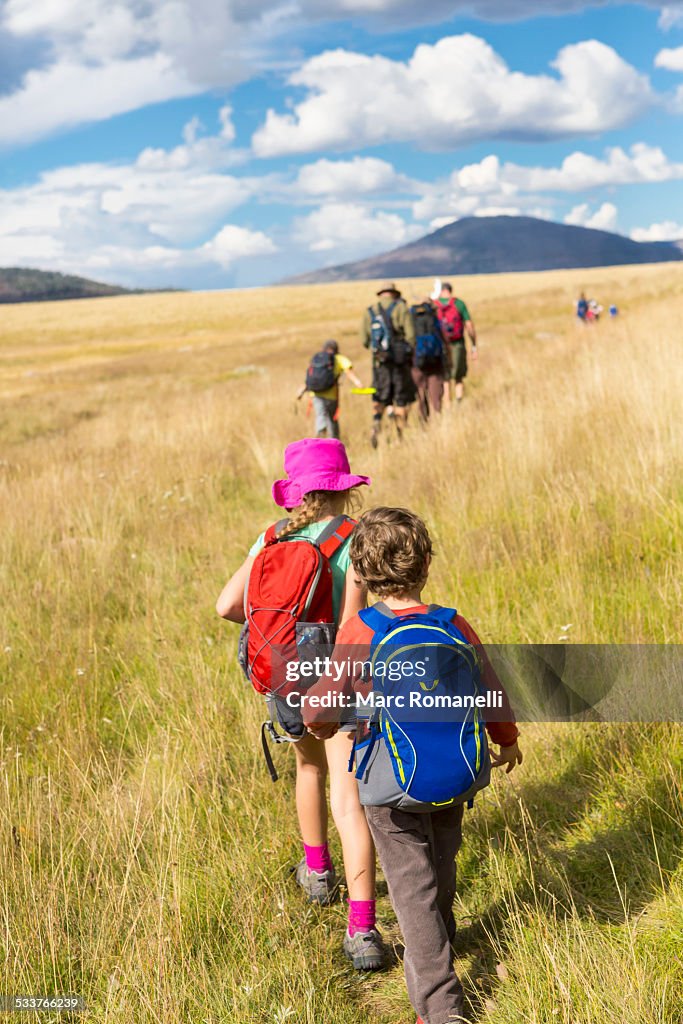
429 347
381 332
426 747
386 344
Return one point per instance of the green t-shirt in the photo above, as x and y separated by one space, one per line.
339 562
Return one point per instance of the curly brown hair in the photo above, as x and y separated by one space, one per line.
390 551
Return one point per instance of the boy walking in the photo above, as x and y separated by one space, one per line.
413 780
324 372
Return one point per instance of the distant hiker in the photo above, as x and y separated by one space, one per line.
594 311
322 381
430 360
416 770
456 325
613 311
582 308
288 596
387 330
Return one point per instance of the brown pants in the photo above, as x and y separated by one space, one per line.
417 853
429 391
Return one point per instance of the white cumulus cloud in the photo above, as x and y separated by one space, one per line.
359 176
133 222
603 219
454 92
670 59
233 243
66 93
95 59
350 230
579 171
665 231
92 253
130 53
507 183
671 17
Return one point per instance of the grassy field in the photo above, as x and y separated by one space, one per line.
144 852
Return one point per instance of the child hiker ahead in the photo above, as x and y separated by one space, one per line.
294 587
416 766
324 372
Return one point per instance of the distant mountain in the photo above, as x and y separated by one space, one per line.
22 284
491 245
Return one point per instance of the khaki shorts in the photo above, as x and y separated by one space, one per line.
458 361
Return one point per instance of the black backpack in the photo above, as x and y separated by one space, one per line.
429 350
320 375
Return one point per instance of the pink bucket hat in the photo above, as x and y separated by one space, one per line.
314 464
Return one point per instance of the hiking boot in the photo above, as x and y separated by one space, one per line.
366 950
320 887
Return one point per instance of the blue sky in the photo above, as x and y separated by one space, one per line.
220 143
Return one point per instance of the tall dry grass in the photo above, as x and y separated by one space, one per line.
144 852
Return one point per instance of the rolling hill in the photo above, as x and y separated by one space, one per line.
490 245
23 284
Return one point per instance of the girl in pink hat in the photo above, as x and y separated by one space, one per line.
319 487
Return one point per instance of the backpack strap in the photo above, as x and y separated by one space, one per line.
271 534
265 730
388 612
378 618
268 730
385 315
335 534
369 745
379 615
442 615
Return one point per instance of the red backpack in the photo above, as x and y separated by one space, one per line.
451 320
288 604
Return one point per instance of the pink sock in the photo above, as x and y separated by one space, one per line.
361 916
318 858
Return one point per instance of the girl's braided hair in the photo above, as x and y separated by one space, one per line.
316 505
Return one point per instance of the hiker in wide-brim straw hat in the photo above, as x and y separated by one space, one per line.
387 330
389 286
